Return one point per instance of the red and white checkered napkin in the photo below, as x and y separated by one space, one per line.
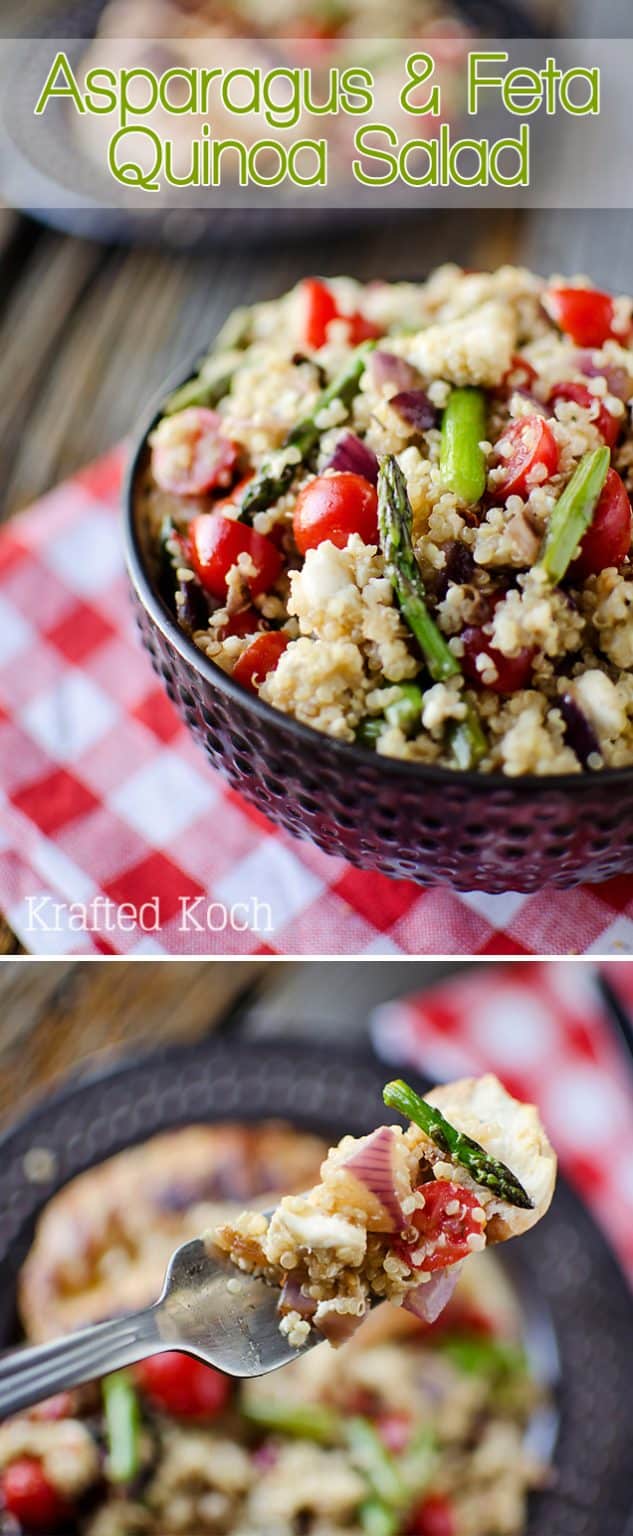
543 1030
103 794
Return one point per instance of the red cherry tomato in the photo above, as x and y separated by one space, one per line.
183 1386
333 507
30 1497
513 672
321 308
395 1431
260 658
247 622
189 453
520 375
434 1517
525 446
362 329
609 426
585 314
608 537
443 1233
216 543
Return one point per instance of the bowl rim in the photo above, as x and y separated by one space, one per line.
524 786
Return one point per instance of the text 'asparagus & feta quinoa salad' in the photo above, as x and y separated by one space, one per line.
400 514
397 1212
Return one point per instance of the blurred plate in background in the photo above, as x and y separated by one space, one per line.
64 187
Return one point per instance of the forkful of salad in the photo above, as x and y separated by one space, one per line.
394 1216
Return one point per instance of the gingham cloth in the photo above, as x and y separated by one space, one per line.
543 1029
103 794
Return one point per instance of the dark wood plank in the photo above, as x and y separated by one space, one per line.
61 1016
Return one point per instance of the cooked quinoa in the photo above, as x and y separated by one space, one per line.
395 1213
441 1411
300 600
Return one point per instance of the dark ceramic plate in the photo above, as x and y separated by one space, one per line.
577 1308
69 182
472 831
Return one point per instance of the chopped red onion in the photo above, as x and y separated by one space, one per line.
579 732
293 1299
414 406
265 1456
618 379
338 1327
388 368
427 1301
354 457
373 1164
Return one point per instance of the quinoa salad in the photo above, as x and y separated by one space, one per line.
408 1428
397 1212
400 514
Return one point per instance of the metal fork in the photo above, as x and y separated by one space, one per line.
207 1308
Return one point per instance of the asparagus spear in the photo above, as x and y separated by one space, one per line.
395 518
122 1423
496 1358
272 480
376 1519
468 741
406 710
306 1421
417 1462
182 593
573 513
462 462
485 1170
370 730
374 1460
206 388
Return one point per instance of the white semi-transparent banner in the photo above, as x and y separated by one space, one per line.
201 122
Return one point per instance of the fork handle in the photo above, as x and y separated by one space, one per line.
28 1376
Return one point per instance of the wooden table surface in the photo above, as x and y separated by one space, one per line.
62 1016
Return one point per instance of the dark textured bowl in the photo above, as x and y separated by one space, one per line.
577 1308
471 831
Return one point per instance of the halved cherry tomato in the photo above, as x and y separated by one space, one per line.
30 1497
433 1517
609 426
513 672
181 1385
190 454
333 507
362 329
247 622
321 308
585 314
445 1223
216 543
520 375
526 445
260 658
608 537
